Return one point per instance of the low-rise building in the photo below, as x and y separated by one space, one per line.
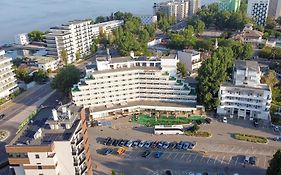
22 39
106 27
191 58
52 145
249 35
8 83
128 84
45 63
245 96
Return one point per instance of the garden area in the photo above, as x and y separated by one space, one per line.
148 120
250 138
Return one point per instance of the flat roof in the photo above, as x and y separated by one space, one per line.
127 69
251 65
258 87
42 59
142 103
40 121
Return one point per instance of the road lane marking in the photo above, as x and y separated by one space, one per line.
196 157
229 160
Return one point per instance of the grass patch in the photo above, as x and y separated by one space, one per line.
164 120
250 138
198 134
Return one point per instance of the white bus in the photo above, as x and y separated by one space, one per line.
168 129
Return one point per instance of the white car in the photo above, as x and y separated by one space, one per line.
141 144
224 120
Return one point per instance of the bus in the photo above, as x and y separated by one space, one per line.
168 129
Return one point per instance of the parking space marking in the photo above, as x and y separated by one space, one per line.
216 159
236 161
265 162
195 157
232 149
222 160
187 157
182 156
209 158
202 158
229 160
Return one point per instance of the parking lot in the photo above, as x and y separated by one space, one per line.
221 153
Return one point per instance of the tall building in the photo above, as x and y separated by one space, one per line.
53 146
191 58
194 5
174 8
76 37
22 39
229 5
8 83
127 84
258 9
245 96
274 8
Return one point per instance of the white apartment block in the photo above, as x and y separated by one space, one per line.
45 63
148 19
258 9
194 5
274 8
133 83
175 8
76 37
53 146
191 58
8 83
245 96
22 39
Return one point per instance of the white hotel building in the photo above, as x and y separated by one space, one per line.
76 37
8 83
58 145
128 84
245 96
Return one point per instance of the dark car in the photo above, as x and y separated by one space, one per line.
109 142
168 172
121 143
154 144
208 120
172 145
192 145
185 145
252 160
146 153
179 145
2 116
198 122
115 142
125 142
106 140
107 151
160 145
158 154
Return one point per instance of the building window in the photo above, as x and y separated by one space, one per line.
37 156
40 168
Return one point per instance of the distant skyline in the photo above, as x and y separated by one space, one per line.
19 16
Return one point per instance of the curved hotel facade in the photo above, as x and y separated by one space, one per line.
128 84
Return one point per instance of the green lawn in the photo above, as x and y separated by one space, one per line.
164 120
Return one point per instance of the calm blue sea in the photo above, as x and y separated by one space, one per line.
19 16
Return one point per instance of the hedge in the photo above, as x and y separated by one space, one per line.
250 138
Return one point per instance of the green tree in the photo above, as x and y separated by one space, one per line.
100 19
40 76
78 55
270 23
63 55
211 74
113 172
182 69
66 78
36 35
274 165
205 44
22 74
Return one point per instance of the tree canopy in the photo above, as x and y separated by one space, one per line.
182 40
211 74
36 35
270 53
66 78
274 165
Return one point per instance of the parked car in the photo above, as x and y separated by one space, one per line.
147 144
106 140
109 142
255 122
154 145
145 153
168 172
99 123
192 145
198 122
185 145
107 151
208 120
179 145
129 143
141 144
277 139
115 142
172 145
276 128
2 116
224 120
158 154
247 159
160 145
252 160
165 145
136 143
121 142
120 151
